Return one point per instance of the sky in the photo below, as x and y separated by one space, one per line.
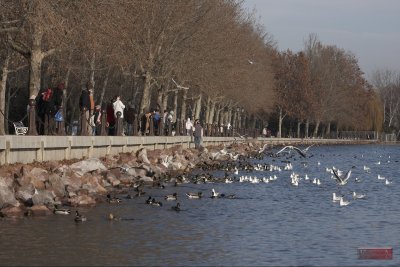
370 29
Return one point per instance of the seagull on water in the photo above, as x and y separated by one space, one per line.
342 202
336 198
358 196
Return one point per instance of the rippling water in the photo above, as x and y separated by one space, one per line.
271 224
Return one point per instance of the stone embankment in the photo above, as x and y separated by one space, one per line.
36 189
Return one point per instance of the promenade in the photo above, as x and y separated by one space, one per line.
28 149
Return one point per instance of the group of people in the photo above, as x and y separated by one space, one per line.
50 102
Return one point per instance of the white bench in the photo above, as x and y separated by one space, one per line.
20 129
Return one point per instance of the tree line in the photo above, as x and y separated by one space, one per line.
205 59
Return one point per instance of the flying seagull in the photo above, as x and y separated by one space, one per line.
341 179
301 152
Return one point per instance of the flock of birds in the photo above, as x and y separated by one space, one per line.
239 165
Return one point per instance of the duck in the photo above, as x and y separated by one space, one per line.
194 195
113 200
149 200
230 196
387 182
61 211
176 208
174 196
112 217
79 217
156 203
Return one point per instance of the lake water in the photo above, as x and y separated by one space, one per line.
269 224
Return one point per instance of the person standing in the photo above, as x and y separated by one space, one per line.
84 105
189 127
130 118
198 135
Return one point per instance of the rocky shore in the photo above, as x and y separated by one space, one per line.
37 189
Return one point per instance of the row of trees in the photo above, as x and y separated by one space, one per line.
207 59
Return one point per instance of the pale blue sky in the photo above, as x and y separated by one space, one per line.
370 29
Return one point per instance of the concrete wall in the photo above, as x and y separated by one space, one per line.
26 149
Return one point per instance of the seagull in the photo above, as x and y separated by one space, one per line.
342 202
358 196
301 152
387 182
342 180
336 198
262 149
381 177
214 194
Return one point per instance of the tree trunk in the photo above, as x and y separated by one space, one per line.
35 62
208 108
175 105
92 69
306 128
3 84
160 94
103 90
298 129
145 103
211 114
217 118
183 106
328 130
280 123
164 101
198 107
315 133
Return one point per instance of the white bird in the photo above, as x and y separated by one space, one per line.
381 177
213 193
342 202
236 172
341 180
358 196
367 169
387 182
318 182
336 198
301 152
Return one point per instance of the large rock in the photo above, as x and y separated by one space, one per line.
82 200
39 210
141 155
93 186
57 185
89 165
112 179
43 197
25 193
12 212
7 197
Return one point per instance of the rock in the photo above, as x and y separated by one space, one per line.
146 179
39 210
7 197
12 212
112 179
57 185
126 179
141 155
25 193
43 197
73 182
85 166
93 186
82 200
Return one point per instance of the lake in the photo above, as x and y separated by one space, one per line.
269 224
